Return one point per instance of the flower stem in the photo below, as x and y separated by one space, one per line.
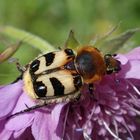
27 37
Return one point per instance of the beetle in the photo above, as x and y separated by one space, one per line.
58 76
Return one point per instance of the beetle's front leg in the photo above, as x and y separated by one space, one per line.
18 65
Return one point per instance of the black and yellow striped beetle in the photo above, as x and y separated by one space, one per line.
58 76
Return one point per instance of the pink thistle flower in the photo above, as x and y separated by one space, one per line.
109 113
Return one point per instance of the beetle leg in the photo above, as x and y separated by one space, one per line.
28 109
78 97
19 67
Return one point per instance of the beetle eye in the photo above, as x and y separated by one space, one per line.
34 65
40 89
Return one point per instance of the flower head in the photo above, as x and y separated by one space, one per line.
110 112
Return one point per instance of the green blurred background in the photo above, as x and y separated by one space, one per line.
53 19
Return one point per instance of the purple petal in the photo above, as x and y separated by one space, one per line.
122 59
18 133
45 124
42 126
134 71
134 54
9 95
5 134
2 123
26 135
56 114
26 117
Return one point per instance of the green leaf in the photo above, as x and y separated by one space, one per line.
71 42
116 43
100 39
27 37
